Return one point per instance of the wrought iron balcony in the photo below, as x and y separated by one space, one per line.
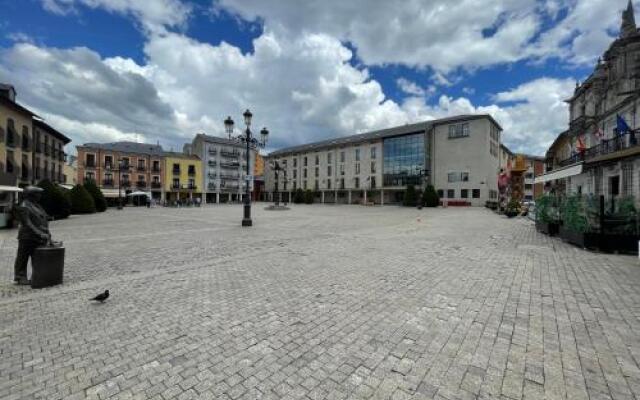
141 168
607 146
175 186
156 185
176 171
88 164
191 172
107 182
155 170
141 184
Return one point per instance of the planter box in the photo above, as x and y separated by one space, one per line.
549 228
586 240
626 244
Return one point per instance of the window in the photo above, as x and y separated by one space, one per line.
528 186
304 184
357 154
357 183
156 179
342 156
328 183
90 160
317 172
305 161
156 166
140 178
440 193
176 168
373 153
295 173
627 178
176 183
372 180
329 170
341 169
317 159
125 161
373 167
141 164
476 193
295 162
357 168
403 157
90 176
192 170
458 177
304 173
464 193
341 183
451 193
328 158
458 130
295 186
108 162
317 185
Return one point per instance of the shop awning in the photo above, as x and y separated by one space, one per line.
560 174
112 193
10 189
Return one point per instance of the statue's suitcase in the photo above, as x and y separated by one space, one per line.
48 266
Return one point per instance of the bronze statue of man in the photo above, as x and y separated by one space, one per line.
33 232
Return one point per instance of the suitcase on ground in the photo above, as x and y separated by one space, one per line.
48 266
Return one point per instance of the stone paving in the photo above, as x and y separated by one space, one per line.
320 302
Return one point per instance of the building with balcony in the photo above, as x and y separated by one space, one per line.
120 168
182 177
224 167
458 155
24 159
16 125
48 153
599 153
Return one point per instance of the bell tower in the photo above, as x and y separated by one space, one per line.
628 27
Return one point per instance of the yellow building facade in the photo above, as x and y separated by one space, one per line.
183 177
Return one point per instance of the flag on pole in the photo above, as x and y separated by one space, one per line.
621 125
580 144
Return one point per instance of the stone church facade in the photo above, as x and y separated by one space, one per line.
593 156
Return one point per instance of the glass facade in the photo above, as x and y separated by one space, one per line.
403 158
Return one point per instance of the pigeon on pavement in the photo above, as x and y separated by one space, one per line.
102 296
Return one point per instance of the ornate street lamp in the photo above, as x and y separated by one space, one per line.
251 143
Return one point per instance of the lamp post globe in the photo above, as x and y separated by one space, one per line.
251 143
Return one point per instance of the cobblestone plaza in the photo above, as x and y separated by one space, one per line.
320 302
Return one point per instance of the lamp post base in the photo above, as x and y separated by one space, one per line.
247 222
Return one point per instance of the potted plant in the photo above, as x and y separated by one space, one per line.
576 228
513 208
619 230
547 215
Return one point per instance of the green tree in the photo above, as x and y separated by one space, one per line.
54 200
308 196
298 196
81 201
96 194
430 197
410 197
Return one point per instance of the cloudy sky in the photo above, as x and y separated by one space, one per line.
163 70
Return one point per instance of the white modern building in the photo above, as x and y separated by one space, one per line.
224 167
458 155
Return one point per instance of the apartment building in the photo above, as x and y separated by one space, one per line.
30 149
48 153
224 167
460 156
183 174
534 167
122 167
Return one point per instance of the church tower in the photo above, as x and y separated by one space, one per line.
628 27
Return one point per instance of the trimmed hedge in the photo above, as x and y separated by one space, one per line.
410 197
308 196
96 194
298 196
54 200
81 201
430 197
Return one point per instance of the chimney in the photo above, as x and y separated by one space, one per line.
8 91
